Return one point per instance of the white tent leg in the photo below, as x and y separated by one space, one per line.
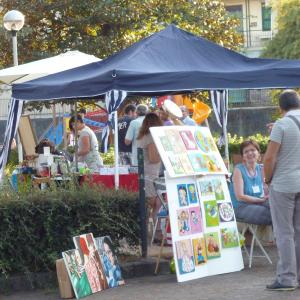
116 143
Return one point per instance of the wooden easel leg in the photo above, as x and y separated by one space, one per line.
161 249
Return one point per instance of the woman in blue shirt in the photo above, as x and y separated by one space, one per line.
248 195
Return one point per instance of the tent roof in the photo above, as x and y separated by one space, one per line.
43 67
168 61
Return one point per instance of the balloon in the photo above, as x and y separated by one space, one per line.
172 266
201 112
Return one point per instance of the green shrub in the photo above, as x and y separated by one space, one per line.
235 141
36 227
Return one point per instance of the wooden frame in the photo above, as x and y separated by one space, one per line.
27 135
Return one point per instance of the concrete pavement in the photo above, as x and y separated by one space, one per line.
248 284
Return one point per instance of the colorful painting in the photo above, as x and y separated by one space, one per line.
192 192
195 219
110 262
185 257
199 251
226 212
229 238
184 227
207 189
211 213
202 141
211 143
166 143
175 141
186 164
213 164
91 262
188 140
212 243
78 277
182 195
218 188
176 164
198 162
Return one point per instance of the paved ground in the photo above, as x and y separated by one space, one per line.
248 284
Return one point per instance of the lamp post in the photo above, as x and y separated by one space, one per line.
13 21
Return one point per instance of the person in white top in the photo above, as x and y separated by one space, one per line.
87 145
133 131
282 173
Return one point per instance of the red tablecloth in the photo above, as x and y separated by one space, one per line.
129 181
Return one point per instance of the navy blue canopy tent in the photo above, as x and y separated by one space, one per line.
169 61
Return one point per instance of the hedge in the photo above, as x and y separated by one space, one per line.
235 141
36 227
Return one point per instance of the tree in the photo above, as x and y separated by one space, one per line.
102 27
286 43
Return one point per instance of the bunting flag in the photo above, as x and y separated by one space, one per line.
219 100
14 114
113 100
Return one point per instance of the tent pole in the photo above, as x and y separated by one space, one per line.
226 146
116 143
76 139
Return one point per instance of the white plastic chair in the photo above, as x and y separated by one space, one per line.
253 229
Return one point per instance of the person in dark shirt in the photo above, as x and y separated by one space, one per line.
123 124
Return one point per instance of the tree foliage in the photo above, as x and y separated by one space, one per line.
102 27
286 43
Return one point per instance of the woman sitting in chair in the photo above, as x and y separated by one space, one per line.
248 191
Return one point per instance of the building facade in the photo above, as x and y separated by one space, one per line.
257 23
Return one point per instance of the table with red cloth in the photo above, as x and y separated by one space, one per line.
128 182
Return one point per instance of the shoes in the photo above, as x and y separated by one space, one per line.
276 286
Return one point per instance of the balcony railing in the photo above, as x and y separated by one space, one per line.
257 38
250 98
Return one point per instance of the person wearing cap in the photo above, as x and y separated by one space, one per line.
186 119
133 131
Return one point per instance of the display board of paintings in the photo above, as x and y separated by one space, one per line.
188 150
93 265
204 232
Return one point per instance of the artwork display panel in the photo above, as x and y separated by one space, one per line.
204 232
188 150
203 226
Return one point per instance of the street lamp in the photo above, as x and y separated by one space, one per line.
13 21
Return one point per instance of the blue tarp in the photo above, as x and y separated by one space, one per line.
171 60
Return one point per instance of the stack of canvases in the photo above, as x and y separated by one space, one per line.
92 266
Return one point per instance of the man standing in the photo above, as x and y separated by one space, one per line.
123 125
186 120
282 172
133 131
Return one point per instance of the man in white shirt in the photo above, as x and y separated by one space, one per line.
282 172
133 131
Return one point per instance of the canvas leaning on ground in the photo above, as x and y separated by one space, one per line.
93 265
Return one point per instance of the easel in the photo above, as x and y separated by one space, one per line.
161 247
